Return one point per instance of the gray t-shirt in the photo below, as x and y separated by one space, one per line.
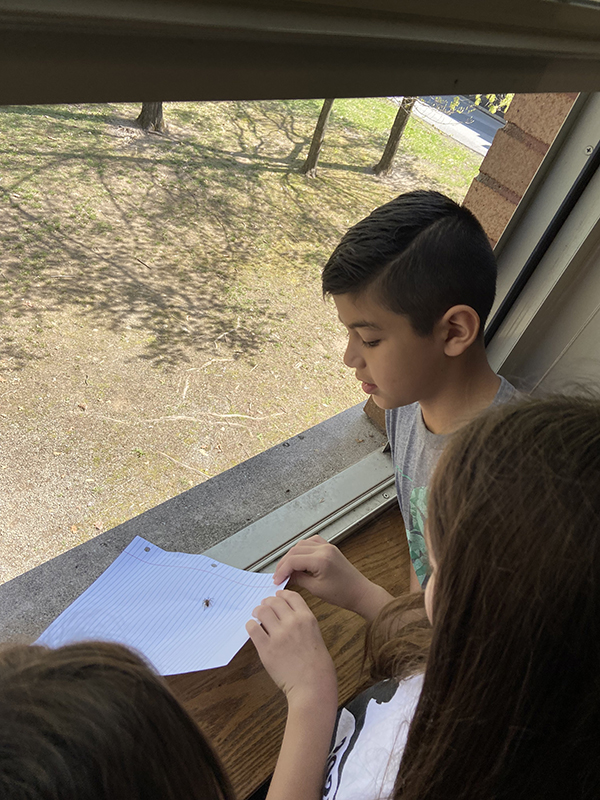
415 452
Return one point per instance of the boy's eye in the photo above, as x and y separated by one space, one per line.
372 343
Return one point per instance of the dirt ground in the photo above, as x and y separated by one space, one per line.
160 309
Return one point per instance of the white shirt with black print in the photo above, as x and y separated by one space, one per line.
369 740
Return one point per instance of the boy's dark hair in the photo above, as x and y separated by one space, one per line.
421 253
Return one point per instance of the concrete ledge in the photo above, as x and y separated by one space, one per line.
193 521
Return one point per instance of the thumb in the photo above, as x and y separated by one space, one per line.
305 580
281 574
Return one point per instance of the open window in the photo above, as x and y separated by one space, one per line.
546 320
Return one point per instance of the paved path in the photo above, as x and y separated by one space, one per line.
470 126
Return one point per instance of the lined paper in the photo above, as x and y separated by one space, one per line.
182 612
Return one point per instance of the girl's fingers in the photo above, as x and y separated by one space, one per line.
281 574
304 549
266 616
280 604
277 605
281 571
295 601
297 562
256 632
274 610
284 568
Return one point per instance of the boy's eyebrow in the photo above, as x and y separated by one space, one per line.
361 323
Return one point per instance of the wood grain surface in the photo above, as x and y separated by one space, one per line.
238 706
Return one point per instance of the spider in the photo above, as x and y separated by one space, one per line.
207 602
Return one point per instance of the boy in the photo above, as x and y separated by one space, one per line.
413 284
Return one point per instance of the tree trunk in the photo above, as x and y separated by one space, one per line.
310 165
151 117
387 159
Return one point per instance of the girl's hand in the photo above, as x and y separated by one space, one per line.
292 650
321 568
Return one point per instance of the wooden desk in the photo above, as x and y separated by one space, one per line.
238 706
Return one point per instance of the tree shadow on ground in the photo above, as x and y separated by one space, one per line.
156 234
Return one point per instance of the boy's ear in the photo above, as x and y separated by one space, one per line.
460 328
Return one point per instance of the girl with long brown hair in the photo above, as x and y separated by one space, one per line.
509 707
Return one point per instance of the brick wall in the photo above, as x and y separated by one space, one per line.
532 122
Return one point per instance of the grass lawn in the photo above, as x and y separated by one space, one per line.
160 308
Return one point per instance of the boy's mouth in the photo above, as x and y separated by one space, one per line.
369 388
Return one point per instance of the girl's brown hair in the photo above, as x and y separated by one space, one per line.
510 706
398 640
92 721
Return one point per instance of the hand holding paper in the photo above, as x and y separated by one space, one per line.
290 646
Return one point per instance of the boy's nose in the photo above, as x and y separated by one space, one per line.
352 357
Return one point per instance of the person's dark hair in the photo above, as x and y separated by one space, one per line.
510 706
420 254
92 722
